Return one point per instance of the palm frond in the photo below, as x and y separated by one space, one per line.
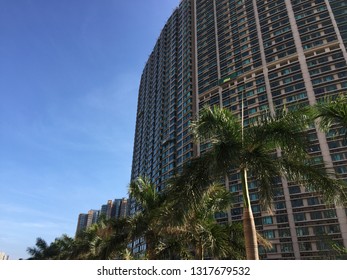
264 242
284 130
315 178
332 111
187 186
216 124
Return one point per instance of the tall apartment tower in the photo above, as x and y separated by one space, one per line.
124 208
117 209
93 216
166 103
270 54
81 223
120 208
3 256
106 209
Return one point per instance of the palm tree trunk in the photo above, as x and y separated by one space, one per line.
199 251
150 247
250 235
248 221
150 253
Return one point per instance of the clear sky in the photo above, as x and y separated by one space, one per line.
69 78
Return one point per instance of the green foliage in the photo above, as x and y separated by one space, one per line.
179 223
275 145
332 112
170 230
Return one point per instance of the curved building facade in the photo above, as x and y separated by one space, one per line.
270 54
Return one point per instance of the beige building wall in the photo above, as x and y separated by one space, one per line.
3 256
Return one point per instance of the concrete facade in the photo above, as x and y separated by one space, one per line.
269 54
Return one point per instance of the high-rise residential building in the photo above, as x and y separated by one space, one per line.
86 220
123 208
82 222
116 207
106 209
93 216
166 103
3 256
270 54
119 208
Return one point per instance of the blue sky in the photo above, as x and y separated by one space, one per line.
69 76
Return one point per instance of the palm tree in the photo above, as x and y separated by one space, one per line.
192 199
185 190
87 241
211 238
145 221
194 224
272 147
64 247
332 112
107 239
42 251
112 239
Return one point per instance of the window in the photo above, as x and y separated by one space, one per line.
302 231
297 203
236 211
284 232
258 221
337 157
316 215
235 188
267 220
333 229
269 234
282 219
286 247
287 80
220 215
298 217
319 230
341 169
247 61
334 144
280 205
331 213
321 245
252 185
305 246
254 196
278 192
261 89
313 201
294 189
285 71
256 208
